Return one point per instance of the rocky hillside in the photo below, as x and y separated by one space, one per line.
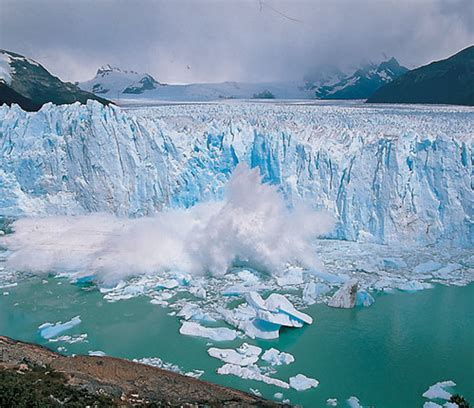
449 81
103 381
28 84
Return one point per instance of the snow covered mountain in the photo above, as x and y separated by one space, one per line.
120 85
113 81
387 174
363 82
27 83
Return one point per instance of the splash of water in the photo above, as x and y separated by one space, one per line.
251 225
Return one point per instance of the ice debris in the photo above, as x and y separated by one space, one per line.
213 333
345 297
438 390
251 372
301 383
243 356
50 330
276 358
331 402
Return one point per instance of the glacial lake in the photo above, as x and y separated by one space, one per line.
387 355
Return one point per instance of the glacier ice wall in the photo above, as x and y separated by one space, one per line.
389 174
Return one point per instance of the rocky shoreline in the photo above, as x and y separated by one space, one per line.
108 381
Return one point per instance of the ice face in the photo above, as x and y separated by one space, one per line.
387 174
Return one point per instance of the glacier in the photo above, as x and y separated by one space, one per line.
388 174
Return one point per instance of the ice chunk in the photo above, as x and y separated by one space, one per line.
167 284
444 272
50 330
214 333
431 404
292 276
331 402
278 395
251 372
345 297
276 358
438 391
96 353
364 298
243 356
301 383
193 312
394 263
280 304
314 290
354 402
427 267
413 286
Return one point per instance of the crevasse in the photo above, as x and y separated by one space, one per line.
389 174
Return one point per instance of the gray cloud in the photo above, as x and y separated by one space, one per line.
243 40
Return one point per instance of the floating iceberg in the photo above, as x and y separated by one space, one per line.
345 297
214 333
194 312
243 356
331 402
301 383
276 358
251 372
438 390
50 330
313 290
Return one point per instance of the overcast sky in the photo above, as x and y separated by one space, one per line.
244 40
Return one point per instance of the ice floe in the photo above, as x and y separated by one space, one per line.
50 330
243 356
96 353
331 402
354 402
213 333
301 383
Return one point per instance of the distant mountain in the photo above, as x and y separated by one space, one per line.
323 75
113 81
363 82
132 87
30 85
449 81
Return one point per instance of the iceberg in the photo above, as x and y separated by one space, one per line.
345 297
301 383
438 390
214 333
313 290
331 402
193 312
243 356
50 330
96 353
276 357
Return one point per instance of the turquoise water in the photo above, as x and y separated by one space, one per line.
387 355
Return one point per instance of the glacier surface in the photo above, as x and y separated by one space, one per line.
388 174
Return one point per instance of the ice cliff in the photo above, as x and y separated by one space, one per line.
389 174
